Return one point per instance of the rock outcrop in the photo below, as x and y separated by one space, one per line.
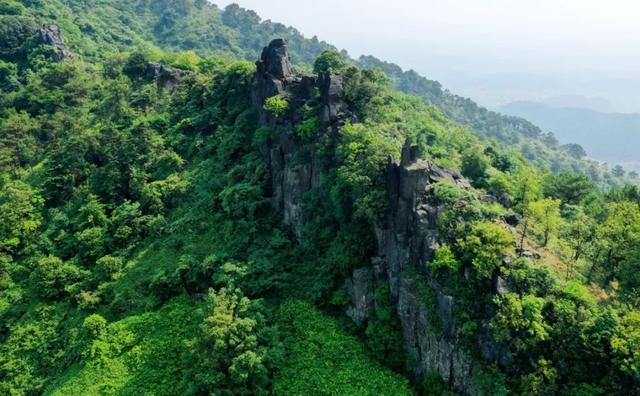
52 35
405 245
165 77
405 241
291 177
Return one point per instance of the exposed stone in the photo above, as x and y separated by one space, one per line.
360 289
52 35
505 200
512 218
405 241
295 167
165 77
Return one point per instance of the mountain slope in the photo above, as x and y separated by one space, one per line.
236 32
179 224
610 137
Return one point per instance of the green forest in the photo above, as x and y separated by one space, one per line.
141 251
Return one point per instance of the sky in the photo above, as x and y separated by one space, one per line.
494 51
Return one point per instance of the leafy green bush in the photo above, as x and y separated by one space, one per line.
330 61
276 105
485 246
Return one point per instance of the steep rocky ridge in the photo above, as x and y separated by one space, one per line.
290 179
405 241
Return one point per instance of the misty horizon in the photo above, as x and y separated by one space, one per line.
495 52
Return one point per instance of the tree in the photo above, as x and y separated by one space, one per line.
545 216
362 156
232 358
519 321
526 190
618 171
475 165
444 258
52 278
579 232
330 61
629 276
615 238
276 105
570 188
575 150
20 211
485 246
626 344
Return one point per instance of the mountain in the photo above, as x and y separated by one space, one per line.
177 220
610 137
238 33
579 102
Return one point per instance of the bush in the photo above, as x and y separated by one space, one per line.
330 61
444 258
276 105
52 278
485 246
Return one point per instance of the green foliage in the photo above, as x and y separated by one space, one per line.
519 321
20 211
475 165
383 333
52 279
444 258
325 360
570 188
626 344
330 61
485 246
432 384
491 381
276 105
233 361
545 215
362 157
121 200
308 127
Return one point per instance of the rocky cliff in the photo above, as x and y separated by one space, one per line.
405 241
290 178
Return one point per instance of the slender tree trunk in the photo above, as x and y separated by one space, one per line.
525 228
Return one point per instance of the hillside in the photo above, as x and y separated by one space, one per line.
182 223
570 125
237 33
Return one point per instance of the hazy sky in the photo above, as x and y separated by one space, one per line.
495 51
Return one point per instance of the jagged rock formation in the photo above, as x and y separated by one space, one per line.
165 77
405 241
52 35
405 245
290 179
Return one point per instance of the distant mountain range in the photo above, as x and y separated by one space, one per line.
610 137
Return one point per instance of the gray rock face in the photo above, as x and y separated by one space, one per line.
360 289
52 35
294 166
405 247
405 241
165 77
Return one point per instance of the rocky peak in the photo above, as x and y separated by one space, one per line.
291 178
275 60
52 35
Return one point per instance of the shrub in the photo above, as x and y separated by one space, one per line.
444 258
276 105
485 246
